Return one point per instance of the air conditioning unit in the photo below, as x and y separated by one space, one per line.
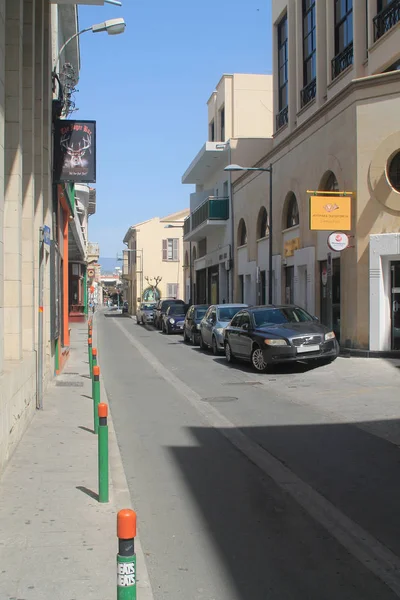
227 264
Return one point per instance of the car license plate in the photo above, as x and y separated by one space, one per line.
302 349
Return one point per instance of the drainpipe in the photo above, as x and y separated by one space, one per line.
39 399
231 271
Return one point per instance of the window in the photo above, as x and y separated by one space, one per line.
212 131
309 52
388 16
242 233
393 172
262 228
331 183
170 249
245 319
343 36
222 123
292 215
282 72
236 320
172 290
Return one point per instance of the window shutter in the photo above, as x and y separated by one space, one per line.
175 254
164 250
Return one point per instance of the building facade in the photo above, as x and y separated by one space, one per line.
154 261
336 130
239 112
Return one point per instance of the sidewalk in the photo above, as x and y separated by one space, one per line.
56 541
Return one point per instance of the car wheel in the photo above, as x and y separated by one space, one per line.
185 337
258 361
228 353
167 330
203 346
137 321
214 346
194 338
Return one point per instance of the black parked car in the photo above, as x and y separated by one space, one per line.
174 319
161 309
191 328
265 335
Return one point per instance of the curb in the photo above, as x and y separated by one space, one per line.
121 496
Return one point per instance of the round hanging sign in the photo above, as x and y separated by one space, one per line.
338 241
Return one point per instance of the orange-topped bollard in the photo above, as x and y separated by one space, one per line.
90 355
96 397
126 557
102 411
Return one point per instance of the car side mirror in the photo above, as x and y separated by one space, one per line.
315 319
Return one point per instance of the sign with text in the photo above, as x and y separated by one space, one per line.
75 151
328 213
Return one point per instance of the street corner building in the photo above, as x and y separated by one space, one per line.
43 219
335 156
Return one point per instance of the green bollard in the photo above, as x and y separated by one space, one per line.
126 557
96 397
90 356
103 452
94 358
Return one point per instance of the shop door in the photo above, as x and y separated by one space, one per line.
395 307
214 284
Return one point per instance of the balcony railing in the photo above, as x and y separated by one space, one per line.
386 19
282 118
342 61
213 209
308 92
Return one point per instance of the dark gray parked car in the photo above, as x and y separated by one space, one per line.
145 313
265 335
213 324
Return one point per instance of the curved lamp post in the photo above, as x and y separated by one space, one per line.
232 168
112 27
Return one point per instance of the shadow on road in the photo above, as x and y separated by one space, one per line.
269 546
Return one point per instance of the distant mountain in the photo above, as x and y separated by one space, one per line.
108 265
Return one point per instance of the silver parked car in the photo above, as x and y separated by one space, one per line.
145 313
213 324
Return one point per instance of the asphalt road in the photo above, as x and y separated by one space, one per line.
248 486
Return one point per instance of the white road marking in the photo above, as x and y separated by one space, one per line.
376 557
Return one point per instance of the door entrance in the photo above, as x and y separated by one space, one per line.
395 306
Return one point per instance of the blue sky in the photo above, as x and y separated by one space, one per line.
147 89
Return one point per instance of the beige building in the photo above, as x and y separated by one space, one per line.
239 113
336 128
154 260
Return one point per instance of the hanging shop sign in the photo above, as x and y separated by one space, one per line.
338 241
291 246
328 213
75 151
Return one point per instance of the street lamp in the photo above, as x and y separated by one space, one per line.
112 26
232 168
190 260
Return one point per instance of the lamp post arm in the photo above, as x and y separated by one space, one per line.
66 44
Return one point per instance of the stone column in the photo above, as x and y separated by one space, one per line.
299 58
292 50
28 236
372 12
13 182
330 38
320 16
359 37
2 124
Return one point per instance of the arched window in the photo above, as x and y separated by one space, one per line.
242 233
262 223
331 184
292 212
393 172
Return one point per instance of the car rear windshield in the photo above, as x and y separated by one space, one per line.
227 313
279 316
147 306
177 309
200 312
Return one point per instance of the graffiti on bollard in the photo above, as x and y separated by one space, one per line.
103 452
96 397
126 557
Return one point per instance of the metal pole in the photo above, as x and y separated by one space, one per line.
96 397
39 400
102 445
270 274
190 274
231 270
141 278
126 557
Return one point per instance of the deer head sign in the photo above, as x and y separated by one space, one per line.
75 151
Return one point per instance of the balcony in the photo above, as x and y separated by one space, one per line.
308 93
282 118
213 213
386 19
342 61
